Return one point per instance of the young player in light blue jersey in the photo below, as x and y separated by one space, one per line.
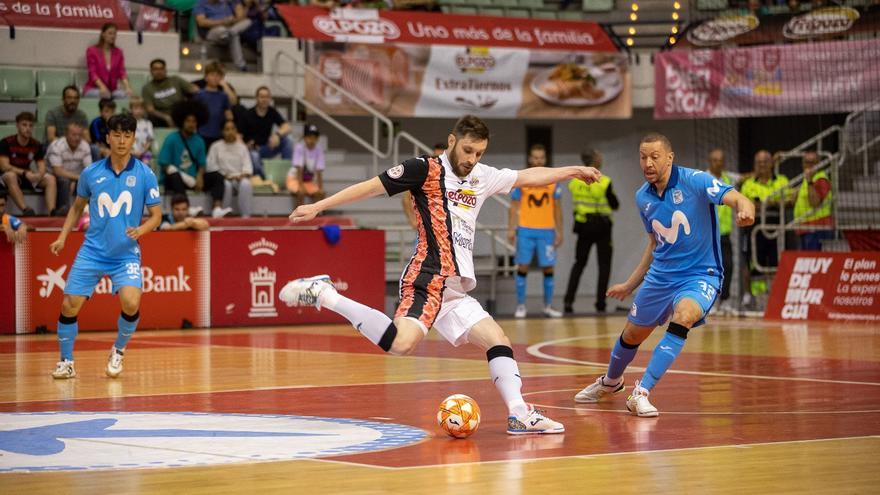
681 268
116 190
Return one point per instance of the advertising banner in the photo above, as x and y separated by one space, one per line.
403 65
249 268
68 14
174 269
826 77
826 286
7 286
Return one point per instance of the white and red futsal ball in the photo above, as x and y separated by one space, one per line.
459 416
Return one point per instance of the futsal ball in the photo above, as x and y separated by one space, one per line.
459 416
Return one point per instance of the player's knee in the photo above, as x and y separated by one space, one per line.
70 307
403 345
635 337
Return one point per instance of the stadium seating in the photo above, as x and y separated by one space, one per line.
17 84
52 82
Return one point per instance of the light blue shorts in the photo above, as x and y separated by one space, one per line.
655 302
532 242
86 273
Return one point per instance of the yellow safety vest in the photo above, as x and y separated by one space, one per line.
725 213
758 191
802 203
589 199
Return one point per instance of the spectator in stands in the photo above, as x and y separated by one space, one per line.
221 22
258 12
143 137
15 229
179 218
306 176
106 65
182 157
17 152
256 126
769 188
68 156
162 92
229 164
98 128
58 118
215 99
725 220
813 204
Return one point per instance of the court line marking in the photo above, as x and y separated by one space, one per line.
585 407
604 454
535 350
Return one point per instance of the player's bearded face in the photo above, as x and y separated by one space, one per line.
464 153
655 161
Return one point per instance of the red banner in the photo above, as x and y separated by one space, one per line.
389 26
7 286
175 285
79 14
152 19
249 268
826 286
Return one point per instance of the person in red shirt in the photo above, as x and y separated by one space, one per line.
16 154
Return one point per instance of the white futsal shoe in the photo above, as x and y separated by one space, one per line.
638 403
534 423
114 363
305 291
596 391
520 311
64 369
549 312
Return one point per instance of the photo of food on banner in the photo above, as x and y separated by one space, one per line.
409 80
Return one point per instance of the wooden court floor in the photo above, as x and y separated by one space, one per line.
749 407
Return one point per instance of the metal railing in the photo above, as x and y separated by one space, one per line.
300 70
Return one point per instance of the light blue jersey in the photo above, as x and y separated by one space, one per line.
684 223
116 202
687 258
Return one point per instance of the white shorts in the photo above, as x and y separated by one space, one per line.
458 313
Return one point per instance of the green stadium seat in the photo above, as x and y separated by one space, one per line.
711 4
464 10
53 82
276 170
44 104
81 77
517 13
543 14
90 107
137 81
505 3
478 3
496 11
598 5
159 135
532 4
569 15
8 130
17 84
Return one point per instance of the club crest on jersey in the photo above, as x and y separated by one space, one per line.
677 197
463 198
396 172
130 181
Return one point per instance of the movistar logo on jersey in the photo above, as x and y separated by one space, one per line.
669 234
113 208
538 201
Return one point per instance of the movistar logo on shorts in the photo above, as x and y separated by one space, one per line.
113 208
669 234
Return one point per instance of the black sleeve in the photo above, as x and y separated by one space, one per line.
4 147
276 117
612 199
41 152
407 176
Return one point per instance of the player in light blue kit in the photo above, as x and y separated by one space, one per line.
116 189
681 268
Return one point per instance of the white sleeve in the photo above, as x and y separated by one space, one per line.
499 180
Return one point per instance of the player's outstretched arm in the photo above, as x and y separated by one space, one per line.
148 226
79 204
362 190
622 291
541 176
745 209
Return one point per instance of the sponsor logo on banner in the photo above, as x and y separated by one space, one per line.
76 441
262 293
831 286
356 24
474 59
820 22
689 88
721 29
263 247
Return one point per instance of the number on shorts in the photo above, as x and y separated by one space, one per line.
707 290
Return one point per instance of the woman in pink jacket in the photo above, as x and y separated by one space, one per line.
106 65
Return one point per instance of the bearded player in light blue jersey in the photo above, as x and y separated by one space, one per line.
116 190
681 268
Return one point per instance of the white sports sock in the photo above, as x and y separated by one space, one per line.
505 375
369 322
